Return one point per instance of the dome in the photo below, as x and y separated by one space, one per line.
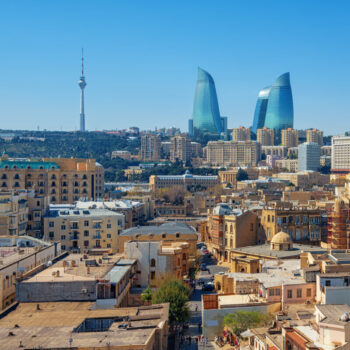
281 237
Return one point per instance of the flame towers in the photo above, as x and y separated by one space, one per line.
274 108
206 114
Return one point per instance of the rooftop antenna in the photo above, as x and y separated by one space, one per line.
82 61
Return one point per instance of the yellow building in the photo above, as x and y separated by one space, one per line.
300 224
180 148
240 134
230 176
304 179
150 147
82 230
265 136
290 165
314 135
289 137
227 153
63 180
13 213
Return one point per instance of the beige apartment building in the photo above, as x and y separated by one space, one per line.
289 137
290 165
180 149
230 176
315 136
304 179
265 136
341 154
280 151
150 147
63 180
227 153
13 213
82 230
240 134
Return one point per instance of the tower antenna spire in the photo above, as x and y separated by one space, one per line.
82 61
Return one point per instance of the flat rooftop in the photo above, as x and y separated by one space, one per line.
168 228
231 300
75 268
61 325
264 250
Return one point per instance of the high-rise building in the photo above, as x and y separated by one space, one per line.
227 153
82 85
314 135
206 114
341 154
150 147
289 137
274 108
309 154
265 136
240 134
260 109
180 148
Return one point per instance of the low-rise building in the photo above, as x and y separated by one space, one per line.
20 255
304 179
157 260
274 150
187 180
290 165
80 325
81 230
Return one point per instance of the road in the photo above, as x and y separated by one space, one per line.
195 304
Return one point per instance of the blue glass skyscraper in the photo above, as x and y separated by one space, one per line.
274 108
206 114
260 109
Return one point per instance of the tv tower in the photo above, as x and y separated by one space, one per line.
82 85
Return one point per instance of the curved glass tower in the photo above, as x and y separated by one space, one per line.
206 114
279 112
260 109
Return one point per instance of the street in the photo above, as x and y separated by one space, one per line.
196 316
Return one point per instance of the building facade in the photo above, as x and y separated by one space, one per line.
150 147
309 155
289 137
240 134
180 149
315 136
341 154
265 137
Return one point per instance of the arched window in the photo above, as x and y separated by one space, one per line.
153 263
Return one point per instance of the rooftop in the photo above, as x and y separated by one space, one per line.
264 250
62 325
332 313
168 228
82 213
27 164
226 301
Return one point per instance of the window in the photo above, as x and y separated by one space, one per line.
109 235
251 227
271 292
86 223
51 224
277 291
163 235
51 235
308 292
63 237
63 247
299 292
268 218
289 294
86 233
109 245
177 235
63 227
153 275
109 226
86 243
328 283
153 263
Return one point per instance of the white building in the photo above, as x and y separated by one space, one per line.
309 154
341 154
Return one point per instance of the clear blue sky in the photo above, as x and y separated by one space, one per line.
142 58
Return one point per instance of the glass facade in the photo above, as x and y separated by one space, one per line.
279 112
274 108
260 109
206 114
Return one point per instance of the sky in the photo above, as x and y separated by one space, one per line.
141 60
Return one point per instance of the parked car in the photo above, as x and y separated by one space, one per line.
208 287
203 267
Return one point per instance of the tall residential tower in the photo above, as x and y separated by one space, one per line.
82 85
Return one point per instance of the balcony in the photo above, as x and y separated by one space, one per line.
97 237
74 238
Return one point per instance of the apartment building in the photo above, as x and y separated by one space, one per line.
290 165
341 154
265 136
180 149
309 156
304 179
150 147
280 151
63 180
289 138
315 136
187 180
240 134
227 153
82 230
301 224
157 260
20 255
37 206
13 212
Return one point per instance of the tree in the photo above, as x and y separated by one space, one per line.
177 293
241 175
146 295
240 321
